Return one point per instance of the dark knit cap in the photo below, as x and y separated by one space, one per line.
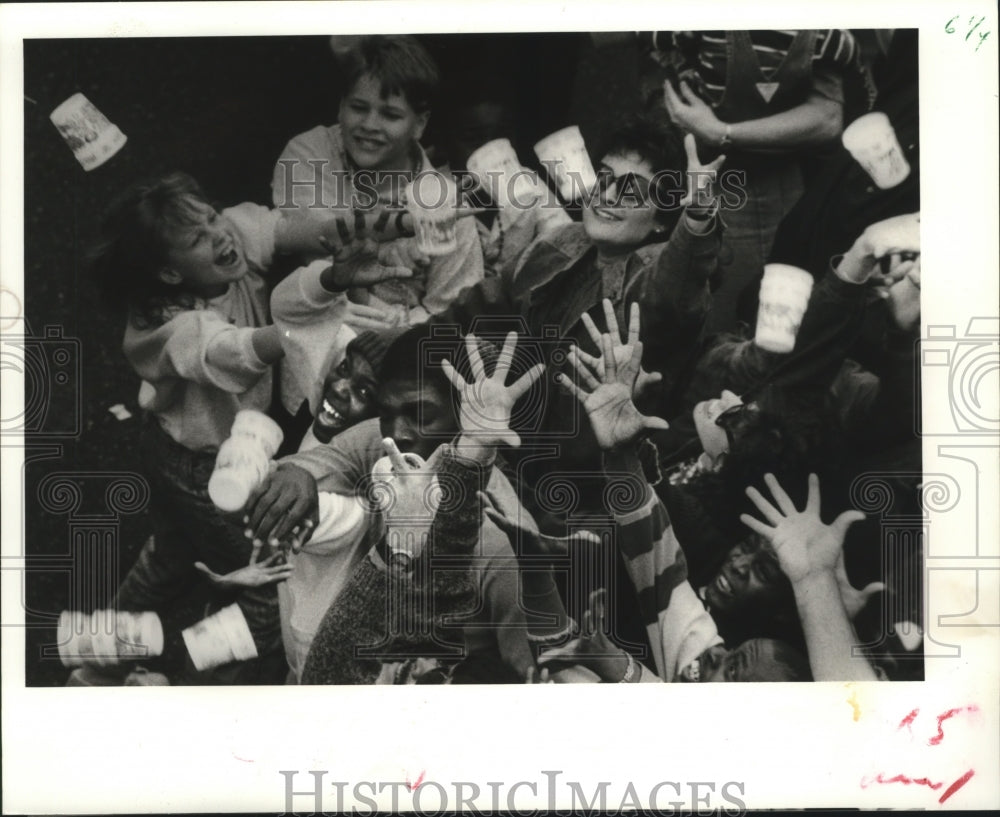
372 345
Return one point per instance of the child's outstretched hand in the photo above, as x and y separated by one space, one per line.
613 415
623 351
353 241
272 569
530 542
803 544
484 414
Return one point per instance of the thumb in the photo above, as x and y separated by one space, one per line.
844 521
203 568
870 590
394 273
511 438
655 423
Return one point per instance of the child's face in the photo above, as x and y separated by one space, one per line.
348 397
206 256
377 132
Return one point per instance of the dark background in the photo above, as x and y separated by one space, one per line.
221 109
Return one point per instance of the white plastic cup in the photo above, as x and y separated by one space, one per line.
432 201
784 296
564 154
219 639
240 466
872 142
258 426
108 637
498 170
91 136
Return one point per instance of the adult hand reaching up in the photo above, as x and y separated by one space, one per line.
623 351
608 403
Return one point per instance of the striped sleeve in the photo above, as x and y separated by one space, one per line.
678 625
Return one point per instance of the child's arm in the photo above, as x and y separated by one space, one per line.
808 552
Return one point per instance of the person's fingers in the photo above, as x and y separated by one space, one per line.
566 654
770 512
633 323
634 363
871 589
591 327
597 603
571 387
486 502
611 320
530 676
303 536
510 438
394 273
526 381
844 521
399 463
475 360
784 501
588 378
328 245
365 311
262 507
757 526
670 98
275 518
374 324
506 358
454 377
543 677
587 624
716 163
649 378
813 501
610 364
465 212
691 149
255 552
214 577
595 364
343 231
270 560
655 423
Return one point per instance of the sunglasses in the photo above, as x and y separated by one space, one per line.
631 189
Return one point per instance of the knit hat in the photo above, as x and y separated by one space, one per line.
372 345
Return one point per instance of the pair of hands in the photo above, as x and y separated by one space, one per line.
806 548
612 381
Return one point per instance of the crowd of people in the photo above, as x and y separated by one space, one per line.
555 453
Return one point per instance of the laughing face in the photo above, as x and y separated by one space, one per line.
378 131
754 660
205 256
621 219
348 397
750 578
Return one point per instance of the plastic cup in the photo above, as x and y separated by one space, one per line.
432 200
873 144
564 155
784 296
219 639
240 466
91 136
498 170
107 637
260 427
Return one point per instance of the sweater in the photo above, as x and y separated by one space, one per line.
199 367
319 154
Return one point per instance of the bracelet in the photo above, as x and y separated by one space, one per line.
727 137
629 670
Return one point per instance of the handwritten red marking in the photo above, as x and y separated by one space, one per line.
954 787
242 759
908 719
934 741
413 786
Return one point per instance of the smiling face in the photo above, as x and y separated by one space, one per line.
621 219
713 438
348 397
206 255
750 578
755 660
377 131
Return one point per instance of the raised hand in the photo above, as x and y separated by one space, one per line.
623 352
592 648
353 243
615 419
532 542
272 569
486 402
692 114
804 545
701 192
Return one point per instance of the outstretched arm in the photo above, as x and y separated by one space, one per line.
808 552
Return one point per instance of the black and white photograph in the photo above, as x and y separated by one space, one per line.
356 350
